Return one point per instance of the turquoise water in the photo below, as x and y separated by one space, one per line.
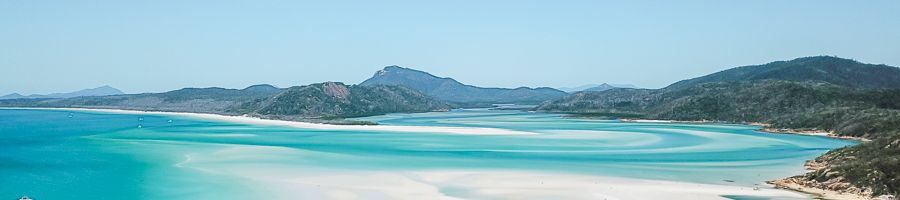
54 154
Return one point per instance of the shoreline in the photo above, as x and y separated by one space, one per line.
788 183
766 128
791 184
305 125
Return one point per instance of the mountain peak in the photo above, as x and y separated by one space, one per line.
265 88
451 90
389 67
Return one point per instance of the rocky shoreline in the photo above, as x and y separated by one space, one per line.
831 134
834 188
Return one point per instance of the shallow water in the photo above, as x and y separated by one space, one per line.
54 154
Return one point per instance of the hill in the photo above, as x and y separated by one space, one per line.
201 100
98 91
834 70
595 87
450 90
782 104
336 100
819 94
324 101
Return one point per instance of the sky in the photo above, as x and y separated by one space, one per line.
160 45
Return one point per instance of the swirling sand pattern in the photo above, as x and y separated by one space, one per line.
95 154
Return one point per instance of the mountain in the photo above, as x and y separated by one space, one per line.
13 96
99 91
262 88
819 94
201 100
324 100
782 104
595 87
450 90
336 100
834 70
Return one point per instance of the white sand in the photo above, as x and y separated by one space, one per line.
289 181
307 125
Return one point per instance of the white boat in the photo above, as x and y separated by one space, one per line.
25 198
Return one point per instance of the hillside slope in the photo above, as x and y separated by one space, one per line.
336 100
834 70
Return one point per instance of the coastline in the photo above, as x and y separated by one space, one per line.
767 128
485 184
305 125
790 183
795 183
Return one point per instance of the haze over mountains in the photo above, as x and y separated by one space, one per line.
595 87
98 91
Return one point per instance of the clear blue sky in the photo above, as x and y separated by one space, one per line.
151 46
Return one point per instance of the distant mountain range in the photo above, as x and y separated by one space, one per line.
820 94
99 91
595 87
452 91
200 100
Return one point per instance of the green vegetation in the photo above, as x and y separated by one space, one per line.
834 70
806 94
321 103
336 100
783 104
872 165
198 100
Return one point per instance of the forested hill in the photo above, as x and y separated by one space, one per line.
200 100
316 101
828 69
822 94
331 99
783 104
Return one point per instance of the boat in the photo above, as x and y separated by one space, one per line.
25 198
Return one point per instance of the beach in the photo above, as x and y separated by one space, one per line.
289 182
306 125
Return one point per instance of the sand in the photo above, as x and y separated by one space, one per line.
287 181
307 125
